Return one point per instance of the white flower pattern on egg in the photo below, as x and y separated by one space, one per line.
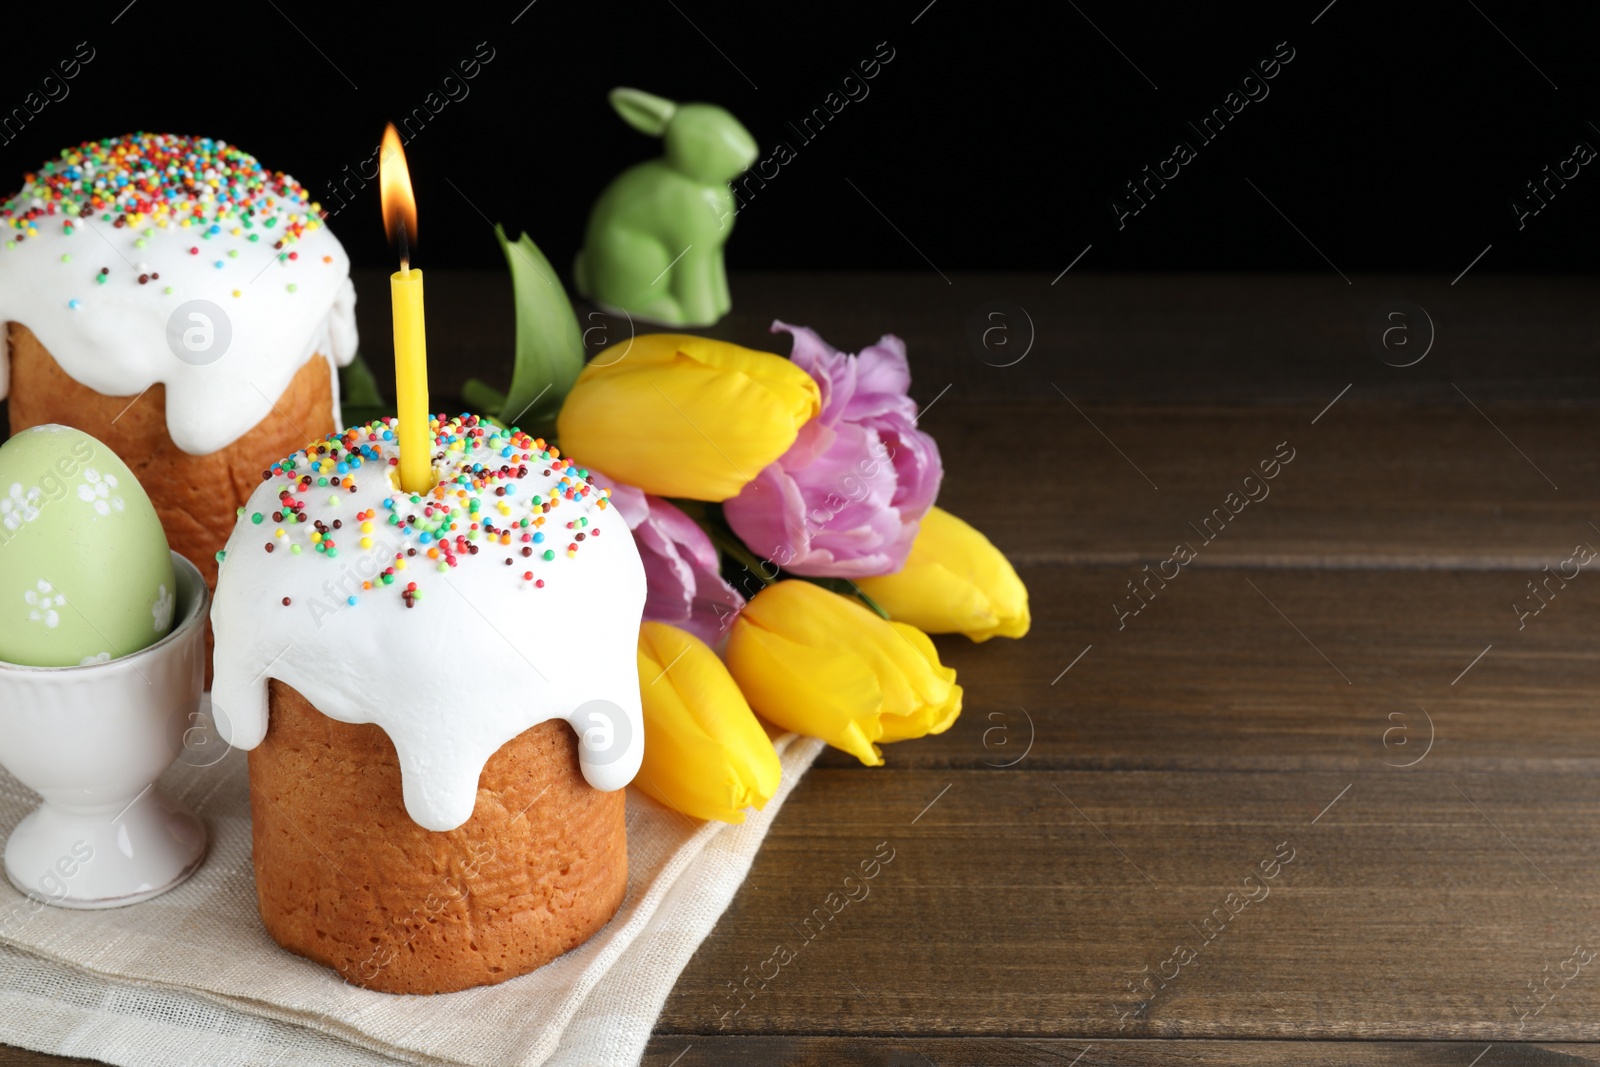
99 657
161 610
19 506
96 489
42 603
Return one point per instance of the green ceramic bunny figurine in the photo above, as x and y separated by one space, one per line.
653 248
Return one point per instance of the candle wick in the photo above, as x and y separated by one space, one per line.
405 253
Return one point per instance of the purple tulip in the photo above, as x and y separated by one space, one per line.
847 498
683 586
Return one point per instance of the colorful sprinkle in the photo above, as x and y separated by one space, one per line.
475 502
143 182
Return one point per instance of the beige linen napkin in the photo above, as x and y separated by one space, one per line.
192 977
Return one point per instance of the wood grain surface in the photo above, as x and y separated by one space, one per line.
1365 682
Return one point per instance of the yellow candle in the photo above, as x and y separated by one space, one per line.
411 381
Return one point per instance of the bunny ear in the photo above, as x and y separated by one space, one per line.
643 111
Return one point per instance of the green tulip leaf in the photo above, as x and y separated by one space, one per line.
480 396
360 399
549 342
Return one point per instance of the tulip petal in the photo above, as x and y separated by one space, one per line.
918 467
942 697
849 528
845 499
631 503
679 773
809 690
686 416
821 664
833 370
706 754
882 369
818 619
684 584
936 600
954 581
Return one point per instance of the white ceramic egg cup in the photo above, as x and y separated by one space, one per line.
92 740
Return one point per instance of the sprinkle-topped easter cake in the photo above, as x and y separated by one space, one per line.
179 300
404 667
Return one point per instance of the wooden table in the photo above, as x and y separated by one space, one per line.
1328 797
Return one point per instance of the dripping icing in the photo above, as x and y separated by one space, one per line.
86 227
480 651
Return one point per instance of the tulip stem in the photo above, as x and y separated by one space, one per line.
861 594
846 588
725 540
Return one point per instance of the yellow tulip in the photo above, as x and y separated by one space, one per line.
705 754
685 416
821 664
954 581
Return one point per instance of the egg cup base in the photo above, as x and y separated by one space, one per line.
152 847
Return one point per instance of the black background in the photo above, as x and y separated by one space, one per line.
995 139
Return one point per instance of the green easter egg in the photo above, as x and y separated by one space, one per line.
85 574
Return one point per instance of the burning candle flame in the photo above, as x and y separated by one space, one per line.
394 188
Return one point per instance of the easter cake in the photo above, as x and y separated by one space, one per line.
182 303
440 695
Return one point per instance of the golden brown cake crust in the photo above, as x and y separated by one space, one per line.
346 878
196 496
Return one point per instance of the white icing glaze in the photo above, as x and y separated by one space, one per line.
483 655
115 341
